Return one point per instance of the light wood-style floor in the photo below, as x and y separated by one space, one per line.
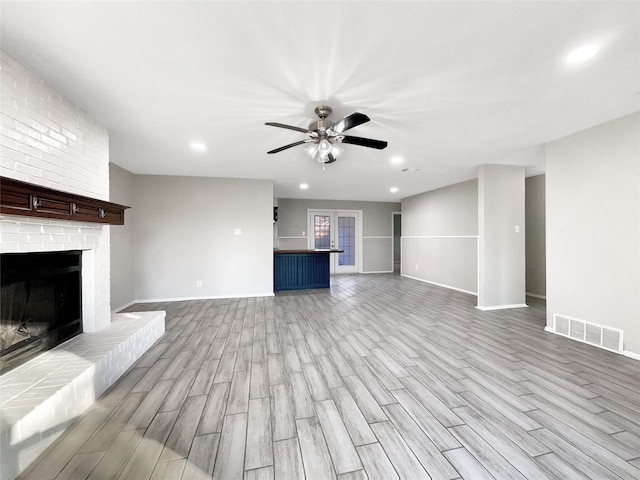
379 377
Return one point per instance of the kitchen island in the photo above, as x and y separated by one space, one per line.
301 269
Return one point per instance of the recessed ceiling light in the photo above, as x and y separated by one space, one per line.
304 186
396 160
198 147
393 189
583 53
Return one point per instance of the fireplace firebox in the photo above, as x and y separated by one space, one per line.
41 303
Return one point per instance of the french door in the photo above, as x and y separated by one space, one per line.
337 229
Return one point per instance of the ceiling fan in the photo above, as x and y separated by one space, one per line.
325 135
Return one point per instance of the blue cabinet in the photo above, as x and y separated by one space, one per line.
299 270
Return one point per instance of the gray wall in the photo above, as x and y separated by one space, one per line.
439 236
377 232
501 246
121 188
535 236
593 227
184 232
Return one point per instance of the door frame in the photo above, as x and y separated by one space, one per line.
336 211
393 242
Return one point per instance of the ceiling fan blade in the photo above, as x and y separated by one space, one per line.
295 144
364 142
350 121
290 127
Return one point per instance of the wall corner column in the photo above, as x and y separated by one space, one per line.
501 243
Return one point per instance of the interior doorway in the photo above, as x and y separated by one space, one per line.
337 229
397 241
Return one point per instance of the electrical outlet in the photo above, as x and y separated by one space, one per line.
304 233
198 283
416 267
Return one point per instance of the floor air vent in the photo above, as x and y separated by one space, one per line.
587 332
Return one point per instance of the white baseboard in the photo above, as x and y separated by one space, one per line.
535 295
633 355
625 353
502 307
214 297
439 284
122 307
381 271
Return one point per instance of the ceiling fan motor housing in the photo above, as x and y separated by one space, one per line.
321 126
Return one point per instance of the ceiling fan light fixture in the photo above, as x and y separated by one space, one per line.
320 151
324 147
335 150
311 149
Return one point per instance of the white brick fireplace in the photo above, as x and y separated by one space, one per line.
28 234
47 140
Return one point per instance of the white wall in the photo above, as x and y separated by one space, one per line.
501 246
184 231
47 140
593 227
377 231
440 236
535 232
121 186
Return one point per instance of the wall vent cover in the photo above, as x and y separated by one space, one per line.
592 333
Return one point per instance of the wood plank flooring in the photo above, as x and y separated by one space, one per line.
380 377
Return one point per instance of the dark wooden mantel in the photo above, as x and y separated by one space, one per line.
22 198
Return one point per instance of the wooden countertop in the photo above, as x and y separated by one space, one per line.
277 251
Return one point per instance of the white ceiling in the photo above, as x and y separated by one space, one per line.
450 85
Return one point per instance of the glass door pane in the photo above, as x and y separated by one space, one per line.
322 231
347 240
